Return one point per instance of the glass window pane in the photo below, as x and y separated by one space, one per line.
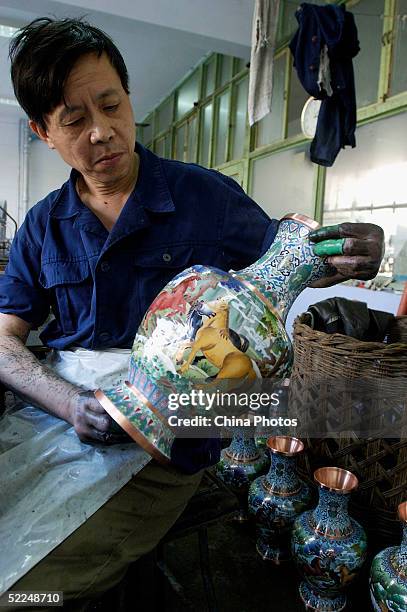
204 157
191 148
210 74
188 94
366 64
159 147
239 127
180 142
167 146
399 71
164 115
296 100
222 131
367 182
139 134
271 127
278 196
226 69
148 129
240 64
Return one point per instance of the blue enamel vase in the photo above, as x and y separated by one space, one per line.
329 547
239 465
277 499
388 574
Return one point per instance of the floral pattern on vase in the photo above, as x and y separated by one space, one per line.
329 547
388 574
207 325
239 465
275 500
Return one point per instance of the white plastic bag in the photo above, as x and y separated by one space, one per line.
50 482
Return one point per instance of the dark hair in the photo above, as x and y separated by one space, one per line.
44 52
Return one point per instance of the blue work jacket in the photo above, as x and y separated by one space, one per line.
335 27
99 285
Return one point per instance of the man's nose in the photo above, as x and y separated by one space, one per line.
101 131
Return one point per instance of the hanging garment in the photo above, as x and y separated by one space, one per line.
264 31
333 27
50 481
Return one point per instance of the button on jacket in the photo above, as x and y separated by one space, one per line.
334 27
100 284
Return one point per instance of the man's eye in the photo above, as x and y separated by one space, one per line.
75 122
111 107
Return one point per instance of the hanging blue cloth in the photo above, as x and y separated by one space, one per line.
333 28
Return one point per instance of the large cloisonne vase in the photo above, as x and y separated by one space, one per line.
329 547
208 325
277 499
388 574
240 463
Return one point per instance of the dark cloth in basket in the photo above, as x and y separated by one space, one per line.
351 318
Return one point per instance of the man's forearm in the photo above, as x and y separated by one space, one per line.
21 372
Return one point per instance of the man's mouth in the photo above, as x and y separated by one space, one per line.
107 159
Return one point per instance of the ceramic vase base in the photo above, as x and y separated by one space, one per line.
273 554
314 601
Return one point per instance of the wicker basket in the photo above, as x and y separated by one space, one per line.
380 464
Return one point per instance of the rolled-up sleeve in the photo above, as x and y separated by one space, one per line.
247 231
20 291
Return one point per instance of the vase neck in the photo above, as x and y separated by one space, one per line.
287 268
282 477
242 448
330 518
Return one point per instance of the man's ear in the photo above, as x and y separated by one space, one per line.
41 133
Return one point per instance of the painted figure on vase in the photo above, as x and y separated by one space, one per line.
208 326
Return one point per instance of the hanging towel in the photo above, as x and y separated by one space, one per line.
265 20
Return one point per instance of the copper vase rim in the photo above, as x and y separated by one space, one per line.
308 221
336 479
285 445
402 511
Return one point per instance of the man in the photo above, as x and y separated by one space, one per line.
96 252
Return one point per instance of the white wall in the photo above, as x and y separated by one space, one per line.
9 163
46 171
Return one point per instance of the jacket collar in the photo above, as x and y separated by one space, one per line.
151 190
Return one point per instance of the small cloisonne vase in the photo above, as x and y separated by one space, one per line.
208 325
275 500
388 574
239 465
329 547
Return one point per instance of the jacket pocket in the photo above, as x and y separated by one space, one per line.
70 285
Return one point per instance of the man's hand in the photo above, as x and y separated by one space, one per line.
91 421
362 251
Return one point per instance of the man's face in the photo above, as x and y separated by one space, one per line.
93 128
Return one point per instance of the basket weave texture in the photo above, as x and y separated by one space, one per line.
380 464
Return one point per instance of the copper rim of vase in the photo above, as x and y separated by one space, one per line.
308 221
336 479
402 511
129 428
285 445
